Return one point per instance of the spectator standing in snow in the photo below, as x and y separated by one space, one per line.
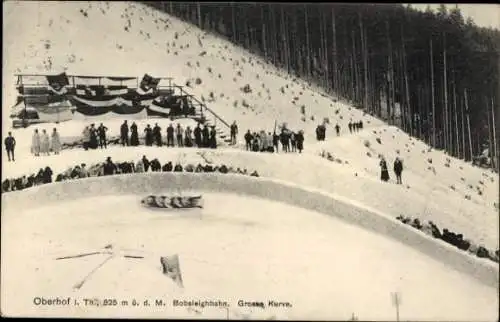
293 142
270 142
188 139
157 135
398 169
124 133
263 141
10 144
276 140
101 130
93 137
213 138
149 135
248 140
179 132
300 141
55 141
44 143
86 138
134 135
285 140
337 129
35 143
205 136
197 135
234 132
170 135
384 173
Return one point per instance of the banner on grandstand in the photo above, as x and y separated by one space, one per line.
58 83
148 84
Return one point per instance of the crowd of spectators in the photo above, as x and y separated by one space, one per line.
451 238
109 167
290 141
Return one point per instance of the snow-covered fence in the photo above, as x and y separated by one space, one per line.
312 199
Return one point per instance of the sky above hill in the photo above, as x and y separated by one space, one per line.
485 15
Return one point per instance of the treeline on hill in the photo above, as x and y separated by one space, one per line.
434 74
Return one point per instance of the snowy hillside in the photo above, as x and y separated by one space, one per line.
130 39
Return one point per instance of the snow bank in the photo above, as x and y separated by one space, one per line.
484 271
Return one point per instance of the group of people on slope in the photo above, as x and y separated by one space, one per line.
397 167
145 165
201 137
94 137
321 131
269 142
42 144
355 126
43 176
451 238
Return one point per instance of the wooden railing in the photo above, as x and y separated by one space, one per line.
203 106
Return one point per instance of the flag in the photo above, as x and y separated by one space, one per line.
171 268
57 83
148 83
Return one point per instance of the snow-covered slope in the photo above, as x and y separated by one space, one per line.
91 38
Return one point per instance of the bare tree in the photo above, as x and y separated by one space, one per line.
433 95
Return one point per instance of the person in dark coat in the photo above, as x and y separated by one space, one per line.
300 141
213 138
170 135
234 132
134 136
146 163
322 132
10 144
124 133
101 131
197 136
168 167
337 129
205 132
350 125
93 144
360 125
318 133
178 168
157 134
255 143
47 175
285 140
155 165
248 140
384 173
109 168
276 140
398 169
149 135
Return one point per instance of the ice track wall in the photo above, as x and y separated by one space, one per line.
149 183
